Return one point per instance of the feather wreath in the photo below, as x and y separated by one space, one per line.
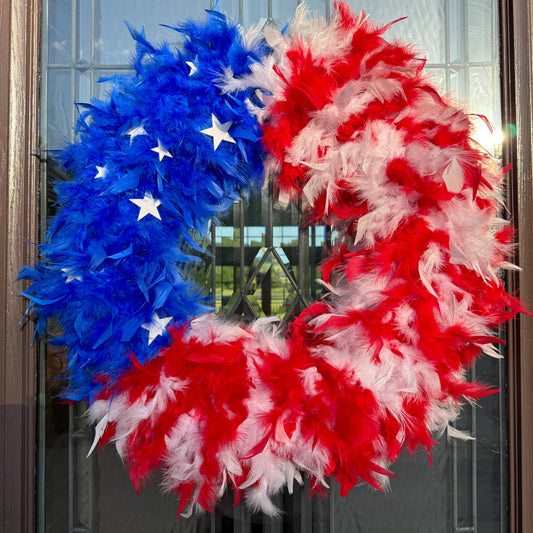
351 125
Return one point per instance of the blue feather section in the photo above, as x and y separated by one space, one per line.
145 179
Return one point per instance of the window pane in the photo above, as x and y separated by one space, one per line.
255 13
483 45
265 262
112 40
424 25
419 499
59 31
456 10
283 10
59 111
84 29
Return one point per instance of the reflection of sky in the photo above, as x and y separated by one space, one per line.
282 235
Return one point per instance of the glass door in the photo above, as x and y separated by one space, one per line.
265 262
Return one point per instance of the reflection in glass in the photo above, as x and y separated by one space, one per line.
424 25
59 32
112 41
481 27
59 107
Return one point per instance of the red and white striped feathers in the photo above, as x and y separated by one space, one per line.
354 128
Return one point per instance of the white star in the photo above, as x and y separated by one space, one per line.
67 271
193 67
156 327
219 131
136 130
148 206
102 172
161 150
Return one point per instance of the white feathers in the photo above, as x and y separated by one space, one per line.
430 263
98 432
458 434
453 176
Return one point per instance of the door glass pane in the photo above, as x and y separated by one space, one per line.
59 32
269 252
424 26
112 40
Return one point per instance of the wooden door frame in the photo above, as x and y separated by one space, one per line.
19 185
517 83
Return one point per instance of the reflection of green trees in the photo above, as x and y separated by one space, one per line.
281 291
201 275
229 242
269 283
233 242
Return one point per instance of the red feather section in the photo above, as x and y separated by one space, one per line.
207 382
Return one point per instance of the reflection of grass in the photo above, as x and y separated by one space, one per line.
281 292
279 303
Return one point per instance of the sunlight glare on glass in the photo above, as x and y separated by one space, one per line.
491 141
